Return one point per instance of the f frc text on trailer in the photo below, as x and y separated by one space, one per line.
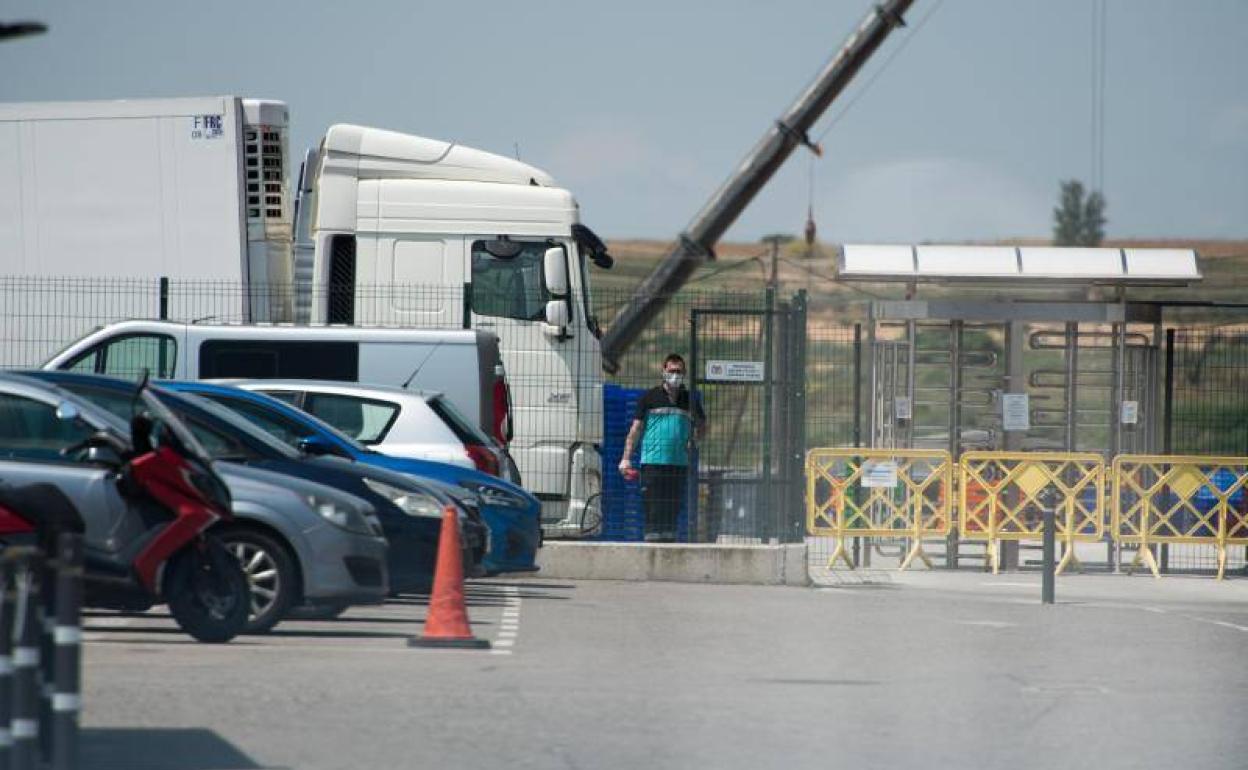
385 229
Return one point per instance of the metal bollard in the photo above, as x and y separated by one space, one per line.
67 638
47 622
1049 556
6 661
24 724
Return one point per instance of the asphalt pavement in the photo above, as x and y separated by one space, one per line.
874 670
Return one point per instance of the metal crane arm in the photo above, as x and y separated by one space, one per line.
695 245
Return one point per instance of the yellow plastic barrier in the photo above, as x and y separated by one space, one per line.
1003 496
1180 499
853 492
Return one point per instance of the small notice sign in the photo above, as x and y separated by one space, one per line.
903 407
879 473
735 371
1130 412
1015 411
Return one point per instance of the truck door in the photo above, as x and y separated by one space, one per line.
510 297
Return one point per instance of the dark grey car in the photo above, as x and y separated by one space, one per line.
300 542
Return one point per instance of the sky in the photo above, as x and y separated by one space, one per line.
959 129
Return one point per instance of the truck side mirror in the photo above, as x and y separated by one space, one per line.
555 270
557 316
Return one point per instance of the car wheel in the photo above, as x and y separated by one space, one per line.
270 572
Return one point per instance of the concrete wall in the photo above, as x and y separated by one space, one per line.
684 563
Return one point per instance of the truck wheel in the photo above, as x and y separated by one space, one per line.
270 573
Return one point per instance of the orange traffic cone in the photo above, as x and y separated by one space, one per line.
446 623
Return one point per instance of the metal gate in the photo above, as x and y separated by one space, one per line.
747 369
1086 387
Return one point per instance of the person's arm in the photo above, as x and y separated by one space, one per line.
634 434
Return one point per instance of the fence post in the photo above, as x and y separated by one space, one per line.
695 529
857 414
164 298
1167 436
799 403
1050 547
467 319
67 638
768 495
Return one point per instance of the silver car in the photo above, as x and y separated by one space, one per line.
300 543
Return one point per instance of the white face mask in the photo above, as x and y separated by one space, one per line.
675 379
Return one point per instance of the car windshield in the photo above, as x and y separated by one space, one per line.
237 423
273 414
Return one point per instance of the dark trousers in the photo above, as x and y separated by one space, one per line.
662 495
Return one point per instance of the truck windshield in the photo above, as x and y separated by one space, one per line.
509 287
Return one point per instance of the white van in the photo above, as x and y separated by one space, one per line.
464 364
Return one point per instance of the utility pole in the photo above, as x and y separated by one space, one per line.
775 241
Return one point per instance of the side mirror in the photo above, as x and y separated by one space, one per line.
555 270
316 446
104 455
557 316
66 412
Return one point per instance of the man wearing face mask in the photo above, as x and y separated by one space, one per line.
666 423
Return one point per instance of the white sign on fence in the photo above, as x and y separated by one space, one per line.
735 371
1015 411
1130 412
879 473
903 408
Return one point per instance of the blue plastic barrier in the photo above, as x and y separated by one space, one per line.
623 518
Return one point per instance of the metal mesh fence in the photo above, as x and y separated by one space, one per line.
815 394
1207 414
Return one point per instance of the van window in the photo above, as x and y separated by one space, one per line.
364 420
267 359
510 288
129 357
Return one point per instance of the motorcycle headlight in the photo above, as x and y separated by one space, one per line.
410 502
342 516
495 496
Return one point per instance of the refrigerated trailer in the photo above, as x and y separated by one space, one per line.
182 188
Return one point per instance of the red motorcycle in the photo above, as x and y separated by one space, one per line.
148 544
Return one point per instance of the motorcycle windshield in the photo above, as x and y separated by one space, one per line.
189 445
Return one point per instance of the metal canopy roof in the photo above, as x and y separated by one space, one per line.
1033 264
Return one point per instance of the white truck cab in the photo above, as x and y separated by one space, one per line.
380 209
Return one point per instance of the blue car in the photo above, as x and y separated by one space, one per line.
410 509
512 515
